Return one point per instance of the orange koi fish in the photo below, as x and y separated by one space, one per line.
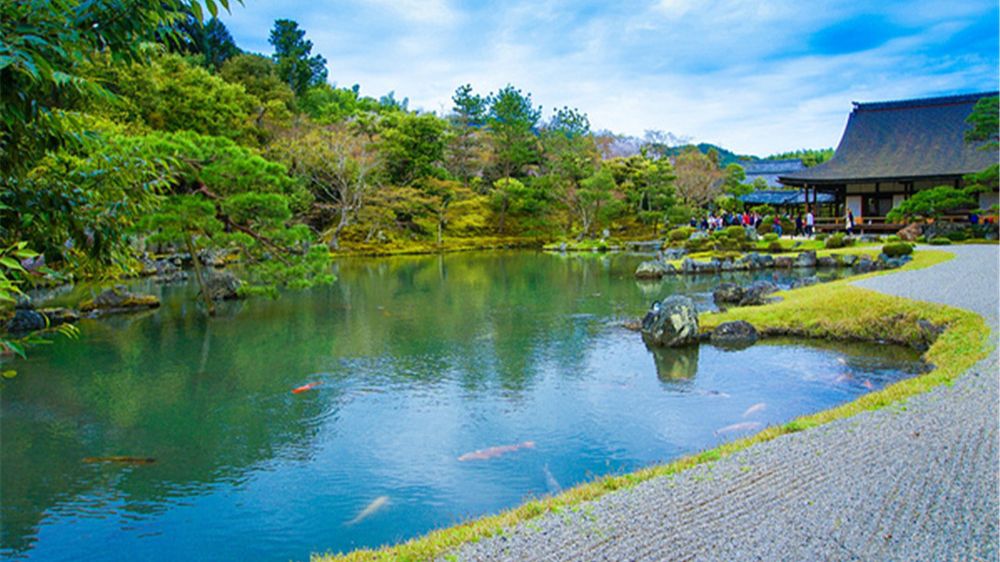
305 387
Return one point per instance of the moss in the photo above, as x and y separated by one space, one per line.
897 249
835 310
939 241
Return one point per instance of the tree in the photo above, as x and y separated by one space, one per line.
595 201
341 169
259 77
732 182
210 41
930 204
292 55
413 146
464 155
44 45
648 186
512 120
985 121
698 177
809 157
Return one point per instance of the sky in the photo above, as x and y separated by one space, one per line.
756 77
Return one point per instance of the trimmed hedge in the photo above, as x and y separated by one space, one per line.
897 249
939 241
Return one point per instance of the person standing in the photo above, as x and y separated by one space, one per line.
849 221
810 222
799 231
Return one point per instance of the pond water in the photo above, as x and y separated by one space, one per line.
420 360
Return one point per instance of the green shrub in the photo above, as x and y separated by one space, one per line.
770 237
838 240
680 233
696 244
893 238
897 249
939 241
735 232
957 236
822 236
775 247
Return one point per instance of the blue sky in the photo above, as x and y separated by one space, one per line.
756 77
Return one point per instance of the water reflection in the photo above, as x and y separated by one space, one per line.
419 359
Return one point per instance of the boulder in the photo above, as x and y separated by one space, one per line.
671 323
783 262
727 293
25 320
689 266
756 293
805 282
826 261
173 277
910 233
848 259
223 286
674 253
864 265
806 259
735 335
887 262
652 269
118 300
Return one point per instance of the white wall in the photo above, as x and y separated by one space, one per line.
854 204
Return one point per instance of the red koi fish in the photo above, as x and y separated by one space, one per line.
305 387
484 454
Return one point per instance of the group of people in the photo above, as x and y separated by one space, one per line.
805 225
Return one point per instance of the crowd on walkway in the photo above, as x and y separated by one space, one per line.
805 224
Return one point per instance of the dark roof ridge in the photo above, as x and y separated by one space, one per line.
921 102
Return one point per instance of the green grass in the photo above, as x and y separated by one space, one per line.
835 310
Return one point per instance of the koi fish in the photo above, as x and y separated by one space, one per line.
484 454
843 378
305 387
377 504
755 409
868 384
550 481
121 460
744 426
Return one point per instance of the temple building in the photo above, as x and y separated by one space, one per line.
891 150
770 170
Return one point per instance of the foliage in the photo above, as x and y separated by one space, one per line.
985 121
810 157
732 182
209 41
680 233
512 119
838 240
699 179
897 249
770 237
939 241
465 157
412 146
292 53
930 204
259 77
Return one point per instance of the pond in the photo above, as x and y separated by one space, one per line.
449 387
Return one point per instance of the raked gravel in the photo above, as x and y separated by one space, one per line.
916 481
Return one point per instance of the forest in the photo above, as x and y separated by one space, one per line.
130 136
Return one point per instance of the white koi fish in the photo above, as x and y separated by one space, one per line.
550 481
484 454
377 504
738 427
755 409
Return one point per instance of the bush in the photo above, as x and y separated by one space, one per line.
680 233
775 247
939 241
696 244
737 233
822 236
957 236
770 237
897 249
893 238
838 240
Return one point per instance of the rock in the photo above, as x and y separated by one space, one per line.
689 266
868 238
633 325
805 282
826 261
910 233
892 263
848 259
783 262
223 286
698 235
671 323
806 259
173 277
752 234
652 269
727 293
864 265
117 300
674 253
756 293
25 320
735 335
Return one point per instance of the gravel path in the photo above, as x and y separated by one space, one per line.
912 482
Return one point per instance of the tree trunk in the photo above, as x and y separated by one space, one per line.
209 304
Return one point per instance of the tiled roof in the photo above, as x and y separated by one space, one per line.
783 197
905 139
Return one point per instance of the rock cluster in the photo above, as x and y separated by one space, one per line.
655 269
754 294
117 300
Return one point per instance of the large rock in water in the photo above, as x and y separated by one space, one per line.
806 259
727 293
652 269
117 300
735 335
757 293
223 286
671 323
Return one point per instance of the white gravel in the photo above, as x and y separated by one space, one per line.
917 481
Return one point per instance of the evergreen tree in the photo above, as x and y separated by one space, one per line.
292 54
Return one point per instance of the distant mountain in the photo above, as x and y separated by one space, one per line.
726 157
